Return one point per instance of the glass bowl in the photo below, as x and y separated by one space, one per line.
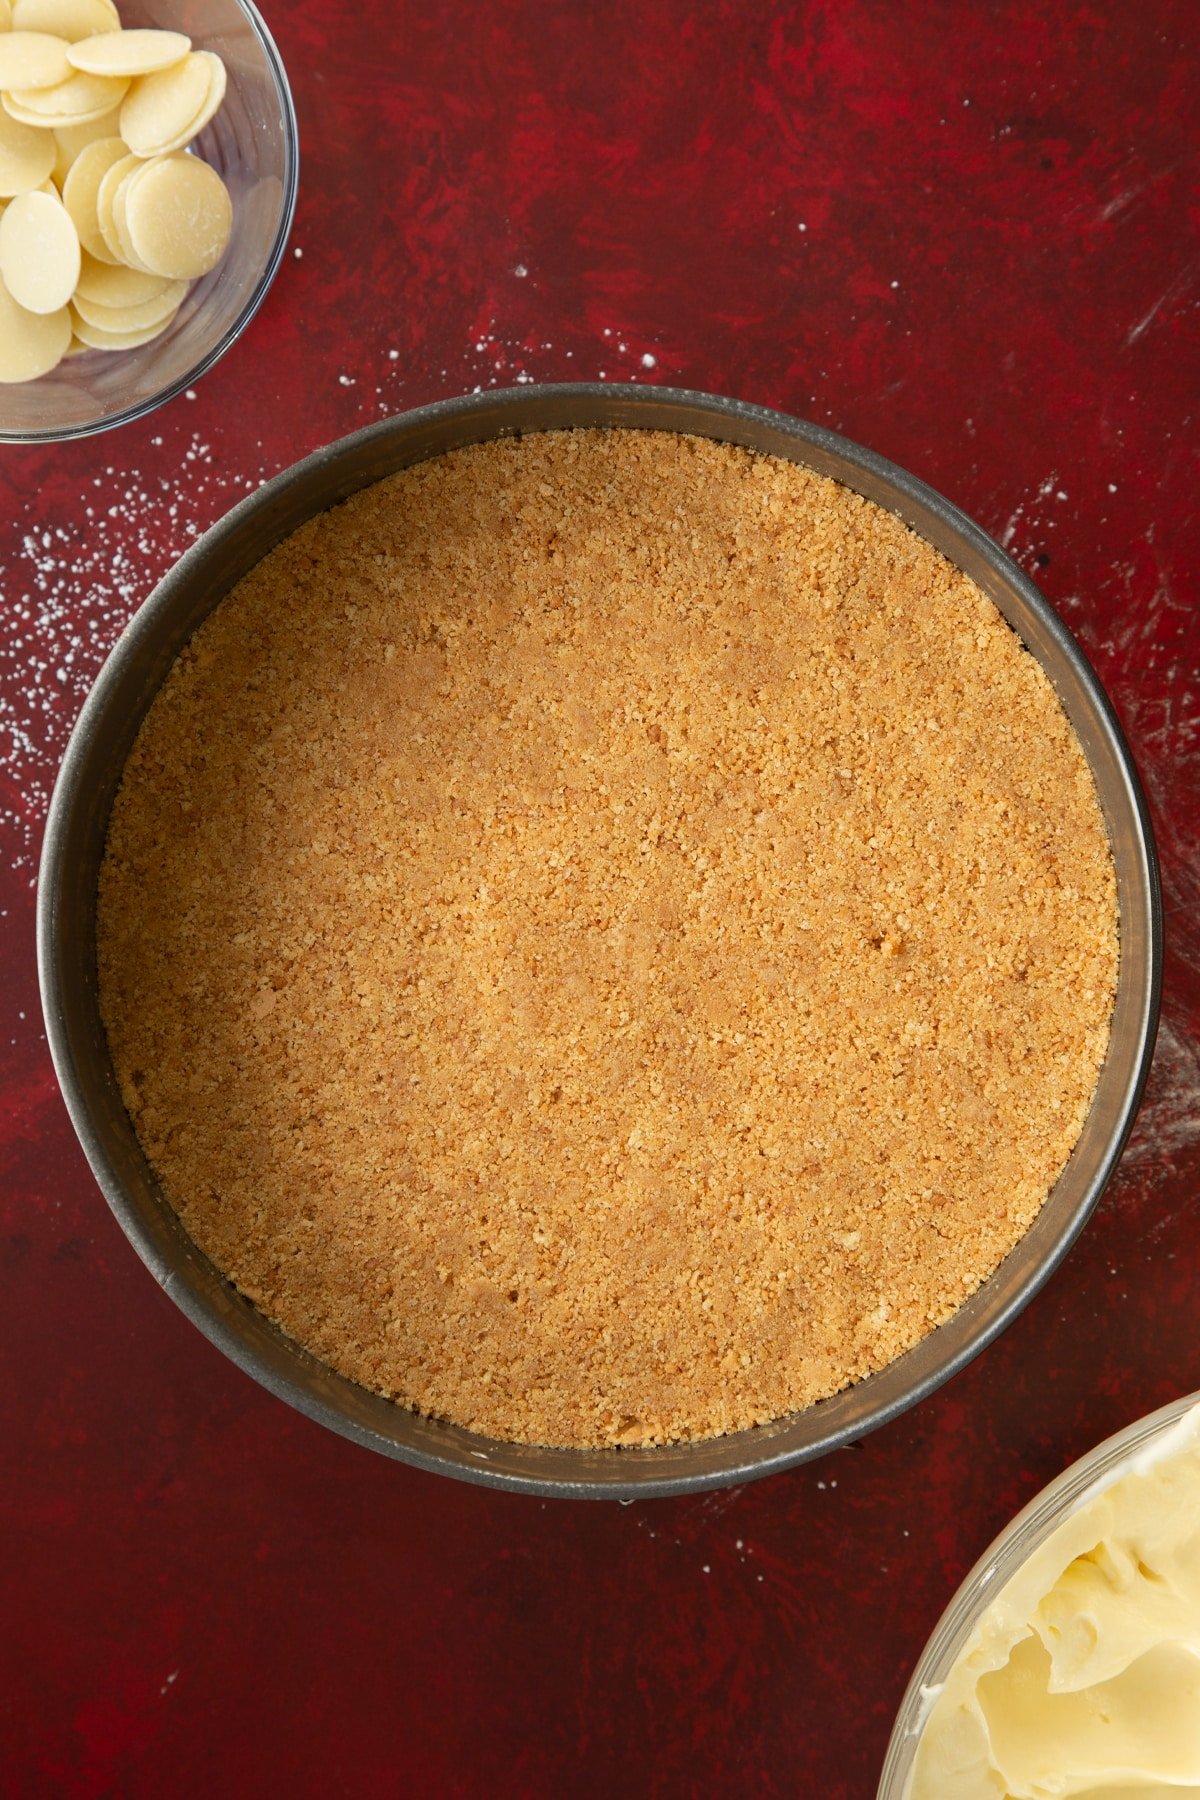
252 143
999 1566
74 844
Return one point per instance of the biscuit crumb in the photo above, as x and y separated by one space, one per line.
607 937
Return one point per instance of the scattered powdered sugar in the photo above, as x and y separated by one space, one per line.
507 358
1169 1123
1024 517
69 590
496 356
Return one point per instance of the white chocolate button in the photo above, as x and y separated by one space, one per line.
75 101
129 255
158 107
212 101
32 59
69 19
99 339
129 52
164 112
81 188
179 216
126 319
31 344
71 139
113 285
26 157
105 194
39 253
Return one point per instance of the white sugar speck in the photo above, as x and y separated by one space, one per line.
521 271
648 361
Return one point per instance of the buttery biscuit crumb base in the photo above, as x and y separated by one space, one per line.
607 937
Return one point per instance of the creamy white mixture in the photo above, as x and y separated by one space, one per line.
1083 1676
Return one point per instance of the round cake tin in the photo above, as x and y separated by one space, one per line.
1003 1559
74 843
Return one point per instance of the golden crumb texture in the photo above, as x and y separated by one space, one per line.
607 938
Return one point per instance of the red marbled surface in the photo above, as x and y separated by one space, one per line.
964 236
